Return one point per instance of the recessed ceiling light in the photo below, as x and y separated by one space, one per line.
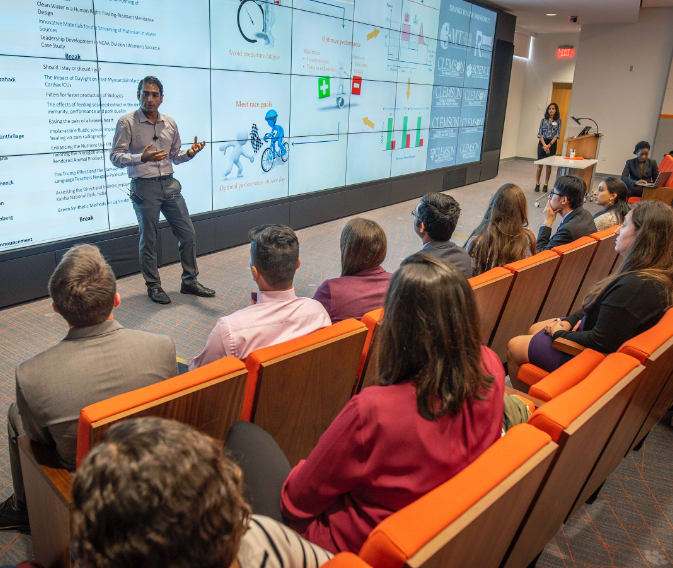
550 14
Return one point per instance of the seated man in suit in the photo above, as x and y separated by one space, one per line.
565 199
96 360
277 315
435 219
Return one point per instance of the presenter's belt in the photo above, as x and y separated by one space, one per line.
158 178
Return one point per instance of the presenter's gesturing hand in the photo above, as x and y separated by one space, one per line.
196 148
153 155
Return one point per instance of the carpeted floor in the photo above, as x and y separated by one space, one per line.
630 525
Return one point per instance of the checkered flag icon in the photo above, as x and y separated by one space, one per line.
255 140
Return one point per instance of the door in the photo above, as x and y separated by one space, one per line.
560 94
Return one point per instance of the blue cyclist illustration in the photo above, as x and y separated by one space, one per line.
276 134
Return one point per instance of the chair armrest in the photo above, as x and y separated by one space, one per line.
538 402
567 346
48 487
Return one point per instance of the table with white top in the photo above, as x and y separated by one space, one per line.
566 167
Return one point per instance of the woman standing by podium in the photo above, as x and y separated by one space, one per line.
548 134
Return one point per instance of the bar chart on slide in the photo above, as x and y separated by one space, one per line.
406 134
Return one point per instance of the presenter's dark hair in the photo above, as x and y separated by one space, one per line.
556 115
83 286
430 336
157 493
439 213
573 188
151 80
641 146
617 187
363 246
274 251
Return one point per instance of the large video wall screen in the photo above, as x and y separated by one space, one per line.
362 89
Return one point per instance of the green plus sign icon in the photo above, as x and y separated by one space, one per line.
323 87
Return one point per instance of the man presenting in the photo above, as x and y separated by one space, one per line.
146 142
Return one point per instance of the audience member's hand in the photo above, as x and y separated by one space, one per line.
641 182
557 325
549 214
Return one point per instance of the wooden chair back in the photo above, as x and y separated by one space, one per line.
370 360
529 288
654 349
663 194
208 398
297 388
575 260
580 421
490 292
489 497
603 260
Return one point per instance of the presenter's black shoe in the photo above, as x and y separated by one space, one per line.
158 295
197 289
537 188
13 517
545 188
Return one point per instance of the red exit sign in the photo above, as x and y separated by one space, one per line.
565 52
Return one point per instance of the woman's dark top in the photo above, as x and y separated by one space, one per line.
633 172
628 306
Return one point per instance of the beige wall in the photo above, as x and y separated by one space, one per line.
620 80
530 90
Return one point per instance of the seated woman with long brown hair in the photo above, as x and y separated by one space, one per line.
363 282
618 307
439 406
502 236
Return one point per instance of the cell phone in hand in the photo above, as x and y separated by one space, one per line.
253 297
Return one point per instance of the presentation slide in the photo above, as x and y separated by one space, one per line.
290 96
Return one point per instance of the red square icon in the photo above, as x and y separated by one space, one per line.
357 85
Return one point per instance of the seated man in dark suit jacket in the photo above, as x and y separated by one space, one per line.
565 199
435 219
96 360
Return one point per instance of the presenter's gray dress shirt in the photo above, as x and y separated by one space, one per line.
134 132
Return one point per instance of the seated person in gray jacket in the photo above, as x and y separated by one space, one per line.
566 200
435 220
96 360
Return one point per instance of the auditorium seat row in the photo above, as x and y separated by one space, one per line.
295 389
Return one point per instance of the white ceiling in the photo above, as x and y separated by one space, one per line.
531 13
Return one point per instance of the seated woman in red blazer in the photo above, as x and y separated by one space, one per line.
439 406
363 282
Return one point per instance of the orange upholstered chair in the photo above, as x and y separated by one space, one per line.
346 560
603 260
652 398
447 526
296 388
532 277
575 259
490 292
581 421
208 398
563 378
369 364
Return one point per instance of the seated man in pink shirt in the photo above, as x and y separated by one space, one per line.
278 314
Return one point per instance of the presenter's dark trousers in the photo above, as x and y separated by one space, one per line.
163 194
264 465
